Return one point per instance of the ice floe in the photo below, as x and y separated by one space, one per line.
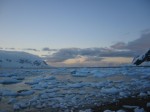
148 104
9 81
139 110
66 88
25 92
112 90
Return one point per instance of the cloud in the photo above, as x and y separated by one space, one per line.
90 54
48 49
119 45
119 53
10 48
140 44
63 54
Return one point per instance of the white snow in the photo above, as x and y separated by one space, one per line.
16 59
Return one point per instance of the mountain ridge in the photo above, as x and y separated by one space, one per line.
20 59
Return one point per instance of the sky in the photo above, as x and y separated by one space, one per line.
53 28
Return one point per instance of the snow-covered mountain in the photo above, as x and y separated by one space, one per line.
16 59
142 58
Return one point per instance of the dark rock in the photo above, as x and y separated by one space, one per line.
142 58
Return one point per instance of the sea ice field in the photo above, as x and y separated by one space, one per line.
69 89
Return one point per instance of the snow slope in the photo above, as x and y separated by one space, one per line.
142 58
16 59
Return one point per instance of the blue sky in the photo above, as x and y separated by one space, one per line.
71 23
59 24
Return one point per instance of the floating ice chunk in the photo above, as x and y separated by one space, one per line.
16 107
148 104
9 93
120 111
44 96
98 85
52 94
83 72
130 107
112 90
35 81
23 104
6 75
52 90
43 84
33 100
124 94
148 92
139 110
80 74
26 92
9 81
108 111
142 94
49 78
86 110
39 106
20 105
37 87
12 100
32 83
18 77
98 74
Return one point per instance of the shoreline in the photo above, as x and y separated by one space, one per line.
122 104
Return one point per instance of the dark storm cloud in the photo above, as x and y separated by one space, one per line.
90 54
48 49
140 44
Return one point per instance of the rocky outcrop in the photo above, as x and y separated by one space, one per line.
142 58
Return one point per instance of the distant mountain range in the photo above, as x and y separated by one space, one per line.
16 59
